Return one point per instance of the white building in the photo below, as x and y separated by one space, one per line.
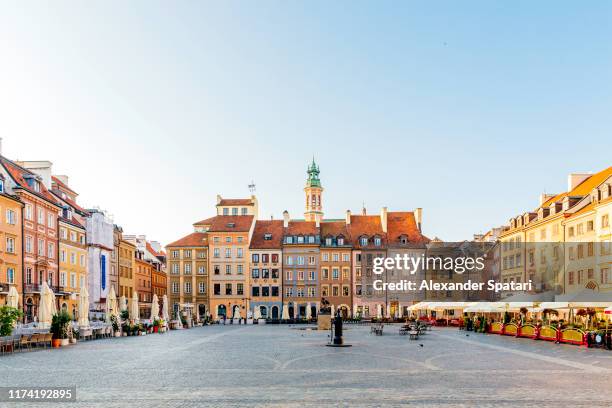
99 251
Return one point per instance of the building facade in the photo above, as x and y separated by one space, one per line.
187 278
127 264
142 277
11 266
72 262
266 268
335 266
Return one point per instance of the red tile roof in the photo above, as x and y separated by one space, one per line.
236 201
368 225
302 228
207 221
71 203
152 251
17 174
403 223
72 221
274 227
231 223
335 229
62 184
191 240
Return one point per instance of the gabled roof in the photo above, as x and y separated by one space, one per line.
403 223
152 251
62 184
335 229
71 203
273 227
368 225
18 174
302 228
231 223
207 221
191 240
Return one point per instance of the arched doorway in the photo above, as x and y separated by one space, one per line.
236 312
263 311
274 312
64 307
29 310
202 310
302 311
221 311
291 312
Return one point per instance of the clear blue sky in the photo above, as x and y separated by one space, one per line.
467 109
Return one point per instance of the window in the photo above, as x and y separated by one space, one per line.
267 237
175 287
73 236
228 269
201 287
201 270
41 216
216 269
274 273
239 269
605 221
300 260
51 249
570 232
73 280
243 211
324 290
288 292
589 225
265 291
345 291
274 290
29 276
265 273
335 274
255 273
28 244
187 253
187 287
187 269
228 252
335 290
300 239
228 288
325 257
239 239
73 258
10 245
311 239
377 241
345 257
274 258
50 220
217 289
336 257
289 260
324 273
82 260
175 268
312 291
328 241
62 256
312 275
340 241
10 217
228 239
239 252
10 275
216 253
62 281
301 275
28 212
225 211
311 260
255 258
300 292
234 211
1 186
288 275
175 254
289 240
363 241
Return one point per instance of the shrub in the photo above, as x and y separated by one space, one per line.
59 325
8 317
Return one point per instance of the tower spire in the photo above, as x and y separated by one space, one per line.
313 191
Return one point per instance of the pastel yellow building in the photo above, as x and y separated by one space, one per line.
72 262
127 260
10 244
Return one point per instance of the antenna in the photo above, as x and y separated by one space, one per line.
252 187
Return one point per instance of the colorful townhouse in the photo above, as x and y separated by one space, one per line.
301 243
72 261
127 266
335 265
40 230
142 279
114 268
159 281
266 268
11 266
369 242
188 273
559 245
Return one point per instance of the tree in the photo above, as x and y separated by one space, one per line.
8 317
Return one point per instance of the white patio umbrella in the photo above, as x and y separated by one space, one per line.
256 313
285 313
378 311
134 310
165 314
388 311
111 302
333 311
83 307
122 303
400 311
46 308
308 311
155 308
12 299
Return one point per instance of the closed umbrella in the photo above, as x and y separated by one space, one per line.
155 308
111 302
388 311
285 313
122 303
378 311
12 298
308 311
400 311
83 307
134 310
165 314
46 308
333 313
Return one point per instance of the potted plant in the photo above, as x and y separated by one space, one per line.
8 317
59 328
155 325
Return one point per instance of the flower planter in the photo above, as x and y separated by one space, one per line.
155 329
64 342
56 343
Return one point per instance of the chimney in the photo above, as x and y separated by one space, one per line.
418 216
545 197
285 219
576 178
218 199
348 217
41 168
363 210
383 218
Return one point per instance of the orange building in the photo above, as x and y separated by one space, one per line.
336 266
142 280
10 244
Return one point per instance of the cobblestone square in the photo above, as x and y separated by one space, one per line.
290 366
